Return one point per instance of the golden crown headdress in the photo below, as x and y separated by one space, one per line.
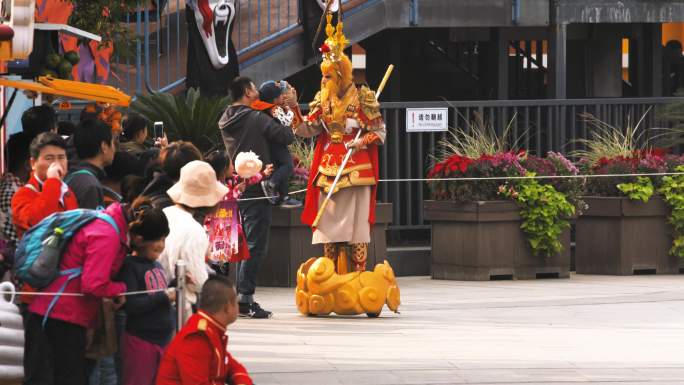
334 45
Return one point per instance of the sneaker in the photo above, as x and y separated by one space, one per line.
290 203
253 310
269 191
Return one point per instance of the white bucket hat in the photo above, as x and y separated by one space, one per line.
197 186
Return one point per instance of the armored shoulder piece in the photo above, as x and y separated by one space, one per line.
369 104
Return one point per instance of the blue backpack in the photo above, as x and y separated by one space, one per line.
31 245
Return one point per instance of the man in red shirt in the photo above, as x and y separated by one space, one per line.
45 193
198 355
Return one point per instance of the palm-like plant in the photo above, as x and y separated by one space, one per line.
479 139
610 142
190 117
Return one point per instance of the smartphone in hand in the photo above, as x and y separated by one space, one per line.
158 131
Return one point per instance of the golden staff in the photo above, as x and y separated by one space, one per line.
349 152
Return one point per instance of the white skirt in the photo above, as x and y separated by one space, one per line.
345 218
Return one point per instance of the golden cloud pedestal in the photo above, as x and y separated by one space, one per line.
321 291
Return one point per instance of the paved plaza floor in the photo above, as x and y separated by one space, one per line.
584 330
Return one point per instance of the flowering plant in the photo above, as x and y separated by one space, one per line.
545 204
485 166
647 161
555 164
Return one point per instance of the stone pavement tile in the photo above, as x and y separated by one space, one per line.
662 374
369 378
497 375
309 378
513 364
417 377
389 364
291 363
588 329
401 377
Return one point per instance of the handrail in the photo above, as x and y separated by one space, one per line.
530 102
166 72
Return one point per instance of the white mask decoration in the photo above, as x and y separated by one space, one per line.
214 19
334 7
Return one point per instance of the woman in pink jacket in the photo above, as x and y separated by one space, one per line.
55 352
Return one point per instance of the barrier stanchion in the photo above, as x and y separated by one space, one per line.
180 297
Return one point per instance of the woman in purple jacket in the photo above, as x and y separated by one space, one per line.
55 352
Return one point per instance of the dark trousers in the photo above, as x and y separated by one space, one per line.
282 160
54 355
256 223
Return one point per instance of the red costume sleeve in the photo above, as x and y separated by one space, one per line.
194 361
312 192
237 373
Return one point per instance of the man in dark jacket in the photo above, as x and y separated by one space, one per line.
95 146
245 129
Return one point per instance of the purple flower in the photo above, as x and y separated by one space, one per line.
562 164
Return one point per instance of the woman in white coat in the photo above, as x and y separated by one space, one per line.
196 194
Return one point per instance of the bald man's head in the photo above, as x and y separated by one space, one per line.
217 292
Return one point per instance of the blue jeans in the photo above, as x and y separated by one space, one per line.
284 168
104 372
256 223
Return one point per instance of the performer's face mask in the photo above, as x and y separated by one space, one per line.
214 20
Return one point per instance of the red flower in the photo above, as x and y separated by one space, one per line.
464 165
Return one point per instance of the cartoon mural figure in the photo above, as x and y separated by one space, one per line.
212 57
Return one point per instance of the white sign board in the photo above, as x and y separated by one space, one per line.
427 119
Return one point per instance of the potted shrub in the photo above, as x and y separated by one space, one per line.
624 229
496 228
290 241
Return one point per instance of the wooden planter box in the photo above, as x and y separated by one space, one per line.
480 241
618 236
290 245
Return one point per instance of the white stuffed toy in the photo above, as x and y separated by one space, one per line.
247 164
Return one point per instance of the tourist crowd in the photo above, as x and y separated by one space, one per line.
157 203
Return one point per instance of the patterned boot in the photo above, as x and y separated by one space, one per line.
331 251
359 256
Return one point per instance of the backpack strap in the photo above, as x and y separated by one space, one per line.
112 194
107 218
82 171
71 274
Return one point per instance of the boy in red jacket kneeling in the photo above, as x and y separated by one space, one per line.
199 352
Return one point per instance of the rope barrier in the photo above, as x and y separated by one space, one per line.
470 179
474 179
37 293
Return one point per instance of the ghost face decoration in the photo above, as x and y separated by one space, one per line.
334 7
214 20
